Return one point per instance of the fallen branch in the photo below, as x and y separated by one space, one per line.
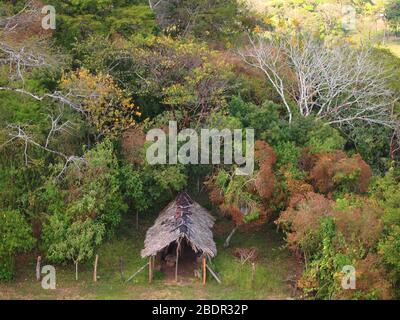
228 239
137 272
213 274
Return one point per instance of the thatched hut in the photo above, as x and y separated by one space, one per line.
181 235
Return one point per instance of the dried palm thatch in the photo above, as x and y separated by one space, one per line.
182 218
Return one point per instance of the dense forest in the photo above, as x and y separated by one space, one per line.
322 96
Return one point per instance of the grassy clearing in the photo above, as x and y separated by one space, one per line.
273 266
394 47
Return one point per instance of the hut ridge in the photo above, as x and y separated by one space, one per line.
182 218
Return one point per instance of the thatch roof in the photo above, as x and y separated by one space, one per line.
182 218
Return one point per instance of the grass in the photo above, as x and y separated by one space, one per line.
394 47
273 266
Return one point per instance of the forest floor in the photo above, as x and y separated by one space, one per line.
120 258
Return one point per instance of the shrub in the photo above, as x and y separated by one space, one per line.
301 220
331 235
334 171
16 236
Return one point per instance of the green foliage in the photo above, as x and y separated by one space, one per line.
16 236
323 138
287 154
252 216
85 208
264 119
392 14
268 125
132 187
210 20
386 190
172 61
390 249
325 263
132 20
222 179
164 179
66 240
19 109
97 186
78 22
222 120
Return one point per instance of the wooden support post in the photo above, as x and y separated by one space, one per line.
204 270
253 272
96 260
177 261
76 270
121 268
150 270
38 262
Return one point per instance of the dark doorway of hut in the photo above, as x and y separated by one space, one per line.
179 262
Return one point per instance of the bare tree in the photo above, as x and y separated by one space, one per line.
340 84
268 56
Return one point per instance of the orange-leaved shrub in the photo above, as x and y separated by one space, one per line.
330 235
335 171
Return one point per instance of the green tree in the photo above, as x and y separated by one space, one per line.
15 236
71 241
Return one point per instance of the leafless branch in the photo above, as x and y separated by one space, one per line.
57 96
20 59
19 133
58 126
268 58
12 22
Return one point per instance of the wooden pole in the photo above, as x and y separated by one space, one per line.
213 274
76 270
177 260
137 272
150 270
96 260
121 268
204 271
38 261
253 272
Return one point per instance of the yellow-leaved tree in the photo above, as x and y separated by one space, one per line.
108 108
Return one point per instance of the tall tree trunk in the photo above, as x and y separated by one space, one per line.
228 239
